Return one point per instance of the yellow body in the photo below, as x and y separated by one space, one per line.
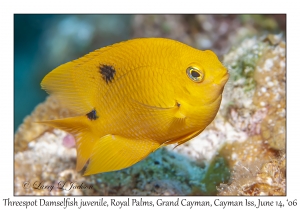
135 96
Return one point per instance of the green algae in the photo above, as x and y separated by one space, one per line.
167 168
242 61
163 167
217 172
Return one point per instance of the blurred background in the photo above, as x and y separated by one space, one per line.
43 42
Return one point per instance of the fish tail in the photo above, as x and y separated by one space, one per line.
84 135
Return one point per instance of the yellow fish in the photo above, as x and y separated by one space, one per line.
135 96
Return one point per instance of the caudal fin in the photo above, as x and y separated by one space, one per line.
85 137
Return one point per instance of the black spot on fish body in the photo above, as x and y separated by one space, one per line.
92 115
107 72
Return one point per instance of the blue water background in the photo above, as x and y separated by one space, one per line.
43 42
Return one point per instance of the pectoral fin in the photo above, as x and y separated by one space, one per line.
113 152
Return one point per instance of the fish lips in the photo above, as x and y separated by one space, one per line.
222 79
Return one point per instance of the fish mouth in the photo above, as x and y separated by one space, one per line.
223 79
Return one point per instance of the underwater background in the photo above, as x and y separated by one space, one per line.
237 154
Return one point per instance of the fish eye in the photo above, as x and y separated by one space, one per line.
195 74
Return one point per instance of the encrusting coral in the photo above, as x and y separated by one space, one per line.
259 162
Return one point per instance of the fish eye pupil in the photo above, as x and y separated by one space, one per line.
195 74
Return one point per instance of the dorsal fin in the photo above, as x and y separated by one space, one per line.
75 83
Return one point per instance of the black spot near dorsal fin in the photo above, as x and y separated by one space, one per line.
107 72
92 115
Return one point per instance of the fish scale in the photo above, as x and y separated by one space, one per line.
134 97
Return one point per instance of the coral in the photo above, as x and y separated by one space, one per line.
270 76
259 162
257 179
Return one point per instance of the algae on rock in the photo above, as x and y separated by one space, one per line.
259 162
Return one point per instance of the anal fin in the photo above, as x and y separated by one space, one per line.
113 152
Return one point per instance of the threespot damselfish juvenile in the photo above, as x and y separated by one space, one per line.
134 97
